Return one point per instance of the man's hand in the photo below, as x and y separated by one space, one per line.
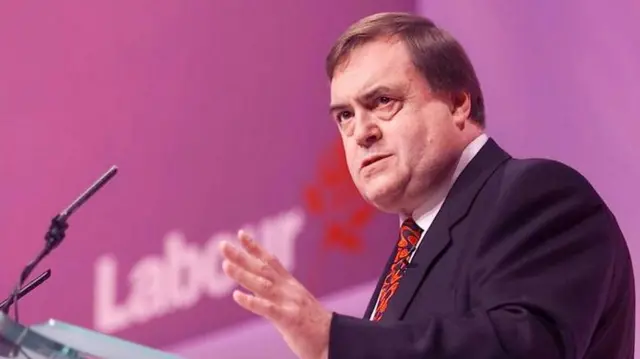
277 296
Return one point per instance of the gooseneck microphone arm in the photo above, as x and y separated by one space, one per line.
56 233
58 226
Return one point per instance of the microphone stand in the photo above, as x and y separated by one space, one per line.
27 288
8 349
55 235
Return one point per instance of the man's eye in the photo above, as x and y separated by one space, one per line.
344 115
383 100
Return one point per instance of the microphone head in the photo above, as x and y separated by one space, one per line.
65 214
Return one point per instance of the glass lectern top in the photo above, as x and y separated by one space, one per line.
56 339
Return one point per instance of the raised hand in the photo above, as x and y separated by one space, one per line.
277 296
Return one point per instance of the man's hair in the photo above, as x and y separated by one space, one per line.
434 52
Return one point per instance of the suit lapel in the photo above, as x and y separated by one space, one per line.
434 243
438 237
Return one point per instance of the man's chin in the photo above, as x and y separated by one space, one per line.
384 198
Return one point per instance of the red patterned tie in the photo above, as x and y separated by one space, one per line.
409 235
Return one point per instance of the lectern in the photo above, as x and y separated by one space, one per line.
55 339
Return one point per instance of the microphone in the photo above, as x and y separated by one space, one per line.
56 233
27 288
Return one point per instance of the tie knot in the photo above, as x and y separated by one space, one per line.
410 231
411 225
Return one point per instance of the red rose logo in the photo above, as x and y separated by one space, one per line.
335 199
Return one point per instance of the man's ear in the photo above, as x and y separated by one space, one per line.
460 107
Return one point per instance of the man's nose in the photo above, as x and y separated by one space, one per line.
367 131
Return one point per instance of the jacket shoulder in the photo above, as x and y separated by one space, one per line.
538 175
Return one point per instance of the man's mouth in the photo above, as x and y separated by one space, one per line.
373 159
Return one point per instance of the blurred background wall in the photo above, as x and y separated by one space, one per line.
216 114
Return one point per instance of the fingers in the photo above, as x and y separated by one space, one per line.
253 248
257 305
256 270
261 286
247 261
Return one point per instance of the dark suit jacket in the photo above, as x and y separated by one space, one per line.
524 260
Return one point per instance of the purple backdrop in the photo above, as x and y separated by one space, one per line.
216 114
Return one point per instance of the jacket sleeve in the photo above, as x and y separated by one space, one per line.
541 272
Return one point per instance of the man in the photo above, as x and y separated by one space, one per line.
497 257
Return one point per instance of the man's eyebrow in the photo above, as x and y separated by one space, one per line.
375 92
337 107
365 97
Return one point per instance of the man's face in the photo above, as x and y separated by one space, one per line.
400 139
